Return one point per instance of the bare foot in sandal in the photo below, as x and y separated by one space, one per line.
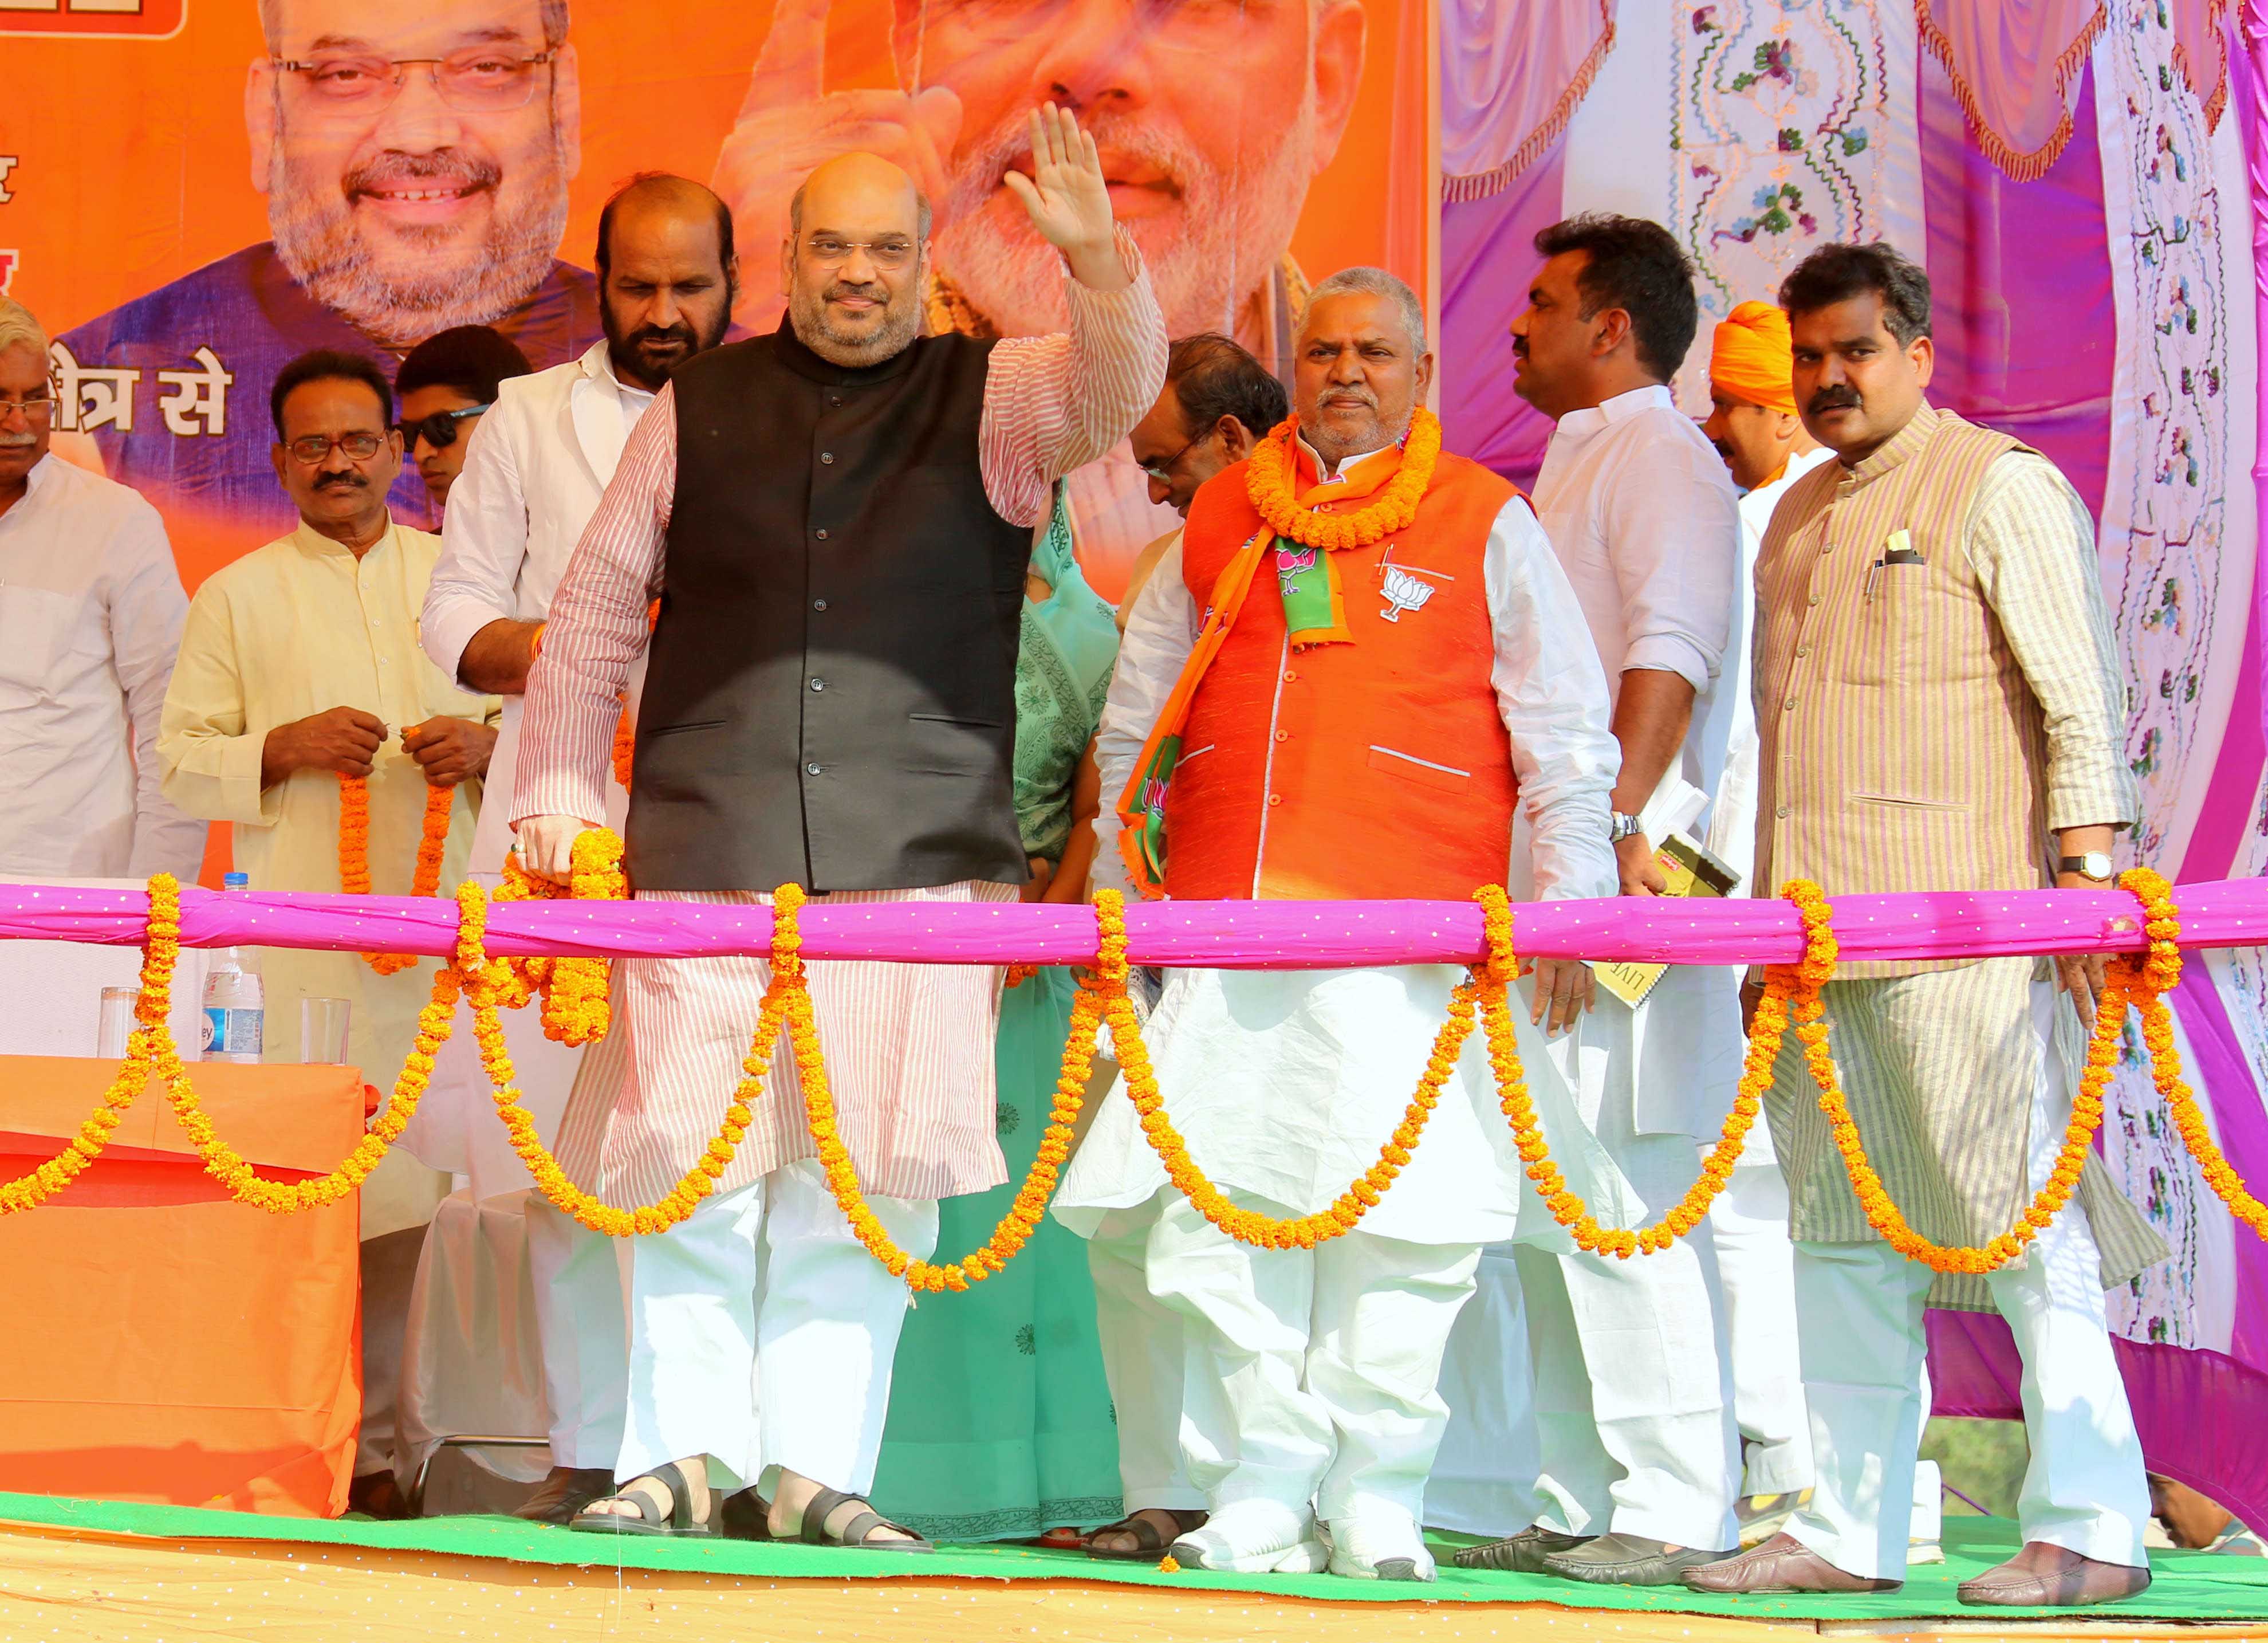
841 1519
672 1499
1145 1534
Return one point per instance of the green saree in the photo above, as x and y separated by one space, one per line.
1000 1425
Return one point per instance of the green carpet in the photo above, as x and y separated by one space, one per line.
2190 1585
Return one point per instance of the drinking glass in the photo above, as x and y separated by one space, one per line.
323 1032
116 1024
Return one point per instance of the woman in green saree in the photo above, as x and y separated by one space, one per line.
1000 1425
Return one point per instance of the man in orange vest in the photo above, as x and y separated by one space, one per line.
1353 670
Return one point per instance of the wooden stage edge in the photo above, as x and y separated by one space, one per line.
70 1585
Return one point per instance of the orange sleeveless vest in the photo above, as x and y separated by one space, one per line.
1376 770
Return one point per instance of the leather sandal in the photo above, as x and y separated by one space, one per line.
1149 1544
858 1533
678 1522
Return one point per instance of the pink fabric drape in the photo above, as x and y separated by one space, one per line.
1512 76
2012 63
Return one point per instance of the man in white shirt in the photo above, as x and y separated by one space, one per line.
533 477
1634 1401
90 610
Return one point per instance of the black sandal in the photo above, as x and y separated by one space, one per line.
679 1522
1149 1546
857 1533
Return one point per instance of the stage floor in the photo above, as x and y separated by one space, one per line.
73 1570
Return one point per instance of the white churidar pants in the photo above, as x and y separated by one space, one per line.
1633 1405
1859 1318
1312 1374
762 1334
1143 1360
581 1321
1756 1263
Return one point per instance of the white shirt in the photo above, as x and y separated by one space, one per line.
538 463
91 613
1283 1085
1732 834
1642 513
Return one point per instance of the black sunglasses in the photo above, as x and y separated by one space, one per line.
439 430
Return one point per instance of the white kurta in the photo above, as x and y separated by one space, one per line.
1285 1086
1642 513
90 611
290 631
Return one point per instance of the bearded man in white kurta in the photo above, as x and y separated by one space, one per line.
837 519
1359 724
538 461
1633 1400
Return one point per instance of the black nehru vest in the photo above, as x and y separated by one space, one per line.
831 694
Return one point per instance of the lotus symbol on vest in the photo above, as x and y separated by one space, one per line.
1403 592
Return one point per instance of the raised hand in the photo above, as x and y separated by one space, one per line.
789 125
1067 199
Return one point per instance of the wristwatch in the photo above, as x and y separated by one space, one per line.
1620 827
2094 865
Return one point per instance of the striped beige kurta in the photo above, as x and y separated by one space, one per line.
1925 723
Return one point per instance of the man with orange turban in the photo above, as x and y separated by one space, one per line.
1754 425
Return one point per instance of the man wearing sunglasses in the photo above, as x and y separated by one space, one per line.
445 384
415 162
300 665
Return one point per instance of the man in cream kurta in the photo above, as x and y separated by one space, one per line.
539 463
299 664
1633 1400
1310 1377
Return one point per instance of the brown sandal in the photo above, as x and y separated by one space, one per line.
1149 1544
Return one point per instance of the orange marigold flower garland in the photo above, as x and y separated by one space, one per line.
1883 1215
2148 977
1269 481
161 951
1303 1231
575 1008
1568 1207
354 853
1031 1200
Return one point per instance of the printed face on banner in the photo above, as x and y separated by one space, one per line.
416 157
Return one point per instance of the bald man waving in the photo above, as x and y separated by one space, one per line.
837 519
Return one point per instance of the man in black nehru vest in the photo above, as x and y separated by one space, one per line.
837 519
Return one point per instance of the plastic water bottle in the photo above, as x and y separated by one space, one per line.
235 1018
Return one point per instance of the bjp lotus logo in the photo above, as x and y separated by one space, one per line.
1289 564
1403 592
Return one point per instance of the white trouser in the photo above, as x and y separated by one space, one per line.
1142 1358
1756 1263
762 1334
1311 1373
1484 1478
582 1326
1633 1403
1858 1316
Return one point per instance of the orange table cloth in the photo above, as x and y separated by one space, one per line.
167 1343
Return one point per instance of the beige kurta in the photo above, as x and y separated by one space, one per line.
289 630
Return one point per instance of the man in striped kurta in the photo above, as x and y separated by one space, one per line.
837 519
1939 707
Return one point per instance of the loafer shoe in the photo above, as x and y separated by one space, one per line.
2042 1576
1628 1560
1522 1554
565 1490
1782 1564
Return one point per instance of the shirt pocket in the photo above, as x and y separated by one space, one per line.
1446 778
1892 626
36 630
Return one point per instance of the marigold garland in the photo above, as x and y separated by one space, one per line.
354 853
575 1009
1568 1207
1269 481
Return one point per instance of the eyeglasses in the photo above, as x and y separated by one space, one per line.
889 255
479 80
439 430
37 405
312 448
1163 472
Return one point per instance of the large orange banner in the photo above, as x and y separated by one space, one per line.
193 191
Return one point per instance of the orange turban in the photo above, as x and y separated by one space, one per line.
1750 359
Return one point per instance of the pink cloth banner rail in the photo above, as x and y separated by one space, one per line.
1215 935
